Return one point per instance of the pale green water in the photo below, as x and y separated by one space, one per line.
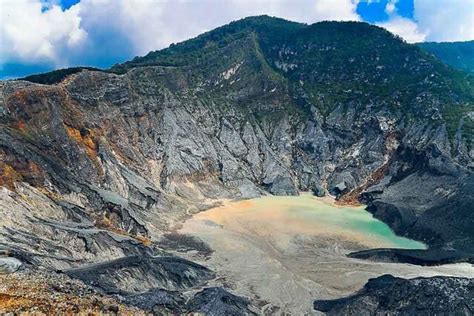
351 218
306 215
290 250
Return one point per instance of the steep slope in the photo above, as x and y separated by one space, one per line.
98 165
460 55
332 64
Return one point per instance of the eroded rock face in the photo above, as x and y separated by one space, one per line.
137 274
155 284
396 296
217 301
158 301
96 167
210 301
115 170
9 265
48 293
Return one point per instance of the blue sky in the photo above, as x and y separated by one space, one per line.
41 35
66 4
374 11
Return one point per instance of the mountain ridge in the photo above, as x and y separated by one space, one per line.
108 162
457 54
186 53
278 93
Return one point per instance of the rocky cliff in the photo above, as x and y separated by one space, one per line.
387 295
96 165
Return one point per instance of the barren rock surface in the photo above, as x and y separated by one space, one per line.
98 165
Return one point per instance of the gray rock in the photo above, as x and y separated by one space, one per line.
9 264
216 301
156 300
140 273
103 163
318 191
388 295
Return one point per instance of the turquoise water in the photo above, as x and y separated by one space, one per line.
350 218
305 215
355 219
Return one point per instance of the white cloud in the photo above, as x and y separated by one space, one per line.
403 27
31 34
435 20
151 24
446 20
336 10
99 32
390 7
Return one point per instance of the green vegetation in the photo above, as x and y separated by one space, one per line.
55 76
460 55
197 49
291 67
